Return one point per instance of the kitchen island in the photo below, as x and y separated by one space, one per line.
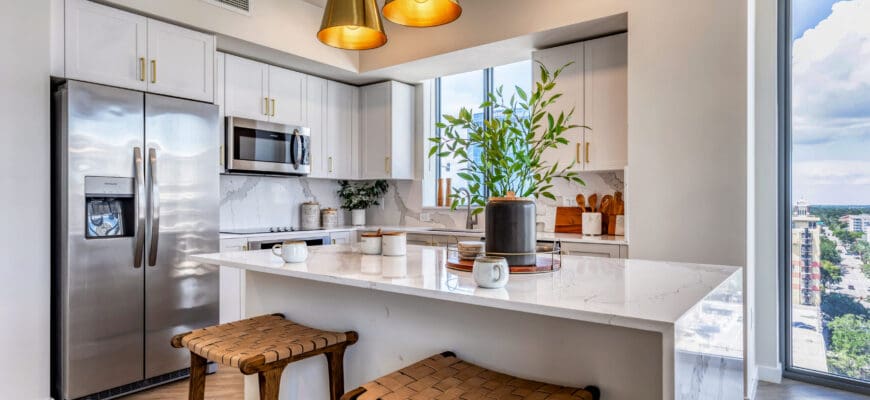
637 329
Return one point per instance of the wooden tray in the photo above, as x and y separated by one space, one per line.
545 263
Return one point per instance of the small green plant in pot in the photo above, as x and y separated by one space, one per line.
510 163
357 197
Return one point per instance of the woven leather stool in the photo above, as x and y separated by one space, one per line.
263 345
445 376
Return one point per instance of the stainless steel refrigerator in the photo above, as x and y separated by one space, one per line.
136 191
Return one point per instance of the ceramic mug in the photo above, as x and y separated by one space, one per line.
291 251
491 272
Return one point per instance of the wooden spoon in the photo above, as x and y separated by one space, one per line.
607 205
593 203
581 202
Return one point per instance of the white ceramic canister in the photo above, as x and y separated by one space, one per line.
310 216
291 251
620 225
491 272
370 243
394 244
330 218
592 224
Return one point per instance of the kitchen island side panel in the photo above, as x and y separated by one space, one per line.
397 330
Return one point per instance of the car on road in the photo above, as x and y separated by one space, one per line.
851 287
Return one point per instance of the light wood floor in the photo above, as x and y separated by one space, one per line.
225 384
794 390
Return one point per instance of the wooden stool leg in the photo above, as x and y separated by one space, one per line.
198 368
335 361
270 383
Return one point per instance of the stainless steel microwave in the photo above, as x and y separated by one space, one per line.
267 148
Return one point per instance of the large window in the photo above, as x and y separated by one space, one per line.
468 90
827 162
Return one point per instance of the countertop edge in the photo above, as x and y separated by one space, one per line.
657 326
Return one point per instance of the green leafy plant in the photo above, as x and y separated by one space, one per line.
359 196
510 146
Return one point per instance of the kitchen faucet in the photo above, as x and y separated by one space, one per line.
470 221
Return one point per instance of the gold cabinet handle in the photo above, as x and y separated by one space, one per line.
387 165
330 164
273 108
588 160
142 69
221 156
577 155
153 71
266 106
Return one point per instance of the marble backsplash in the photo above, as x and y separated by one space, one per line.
403 204
249 201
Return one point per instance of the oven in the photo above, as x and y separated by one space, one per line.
267 148
267 244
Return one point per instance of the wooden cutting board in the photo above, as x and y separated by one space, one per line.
569 220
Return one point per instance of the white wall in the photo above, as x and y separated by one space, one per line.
766 207
24 200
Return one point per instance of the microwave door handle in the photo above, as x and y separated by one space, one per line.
296 147
140 208
155 208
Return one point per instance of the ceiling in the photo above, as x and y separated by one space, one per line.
319 3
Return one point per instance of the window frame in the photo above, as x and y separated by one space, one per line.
784 119
488 88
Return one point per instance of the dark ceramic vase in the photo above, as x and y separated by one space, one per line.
510 229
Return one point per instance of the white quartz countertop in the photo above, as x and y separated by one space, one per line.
638 294
542 236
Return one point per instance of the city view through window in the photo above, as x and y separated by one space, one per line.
830 223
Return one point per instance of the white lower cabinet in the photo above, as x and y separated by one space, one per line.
593 250
341 237
232 284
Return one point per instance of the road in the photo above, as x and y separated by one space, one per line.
853 277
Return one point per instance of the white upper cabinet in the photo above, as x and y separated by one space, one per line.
607 103
341 163
287 96
316 116
595 87
105 45
265 92
181 62
570 85
113 47
387 140
246 88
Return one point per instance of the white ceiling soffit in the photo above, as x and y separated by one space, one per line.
470 59
319 3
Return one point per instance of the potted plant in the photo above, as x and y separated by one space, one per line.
357 197
509 165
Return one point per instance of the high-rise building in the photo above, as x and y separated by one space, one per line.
806 255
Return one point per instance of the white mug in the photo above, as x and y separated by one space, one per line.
291 251
491 272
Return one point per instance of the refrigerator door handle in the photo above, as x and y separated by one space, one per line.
155 208
140 209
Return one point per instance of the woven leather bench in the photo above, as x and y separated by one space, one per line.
263 345
444 376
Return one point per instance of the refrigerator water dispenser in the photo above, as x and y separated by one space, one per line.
110 207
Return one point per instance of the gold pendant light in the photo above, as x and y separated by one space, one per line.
352 25
422 13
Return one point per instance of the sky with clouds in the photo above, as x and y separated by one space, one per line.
831 101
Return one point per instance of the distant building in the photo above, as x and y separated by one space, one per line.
806 256
857 223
